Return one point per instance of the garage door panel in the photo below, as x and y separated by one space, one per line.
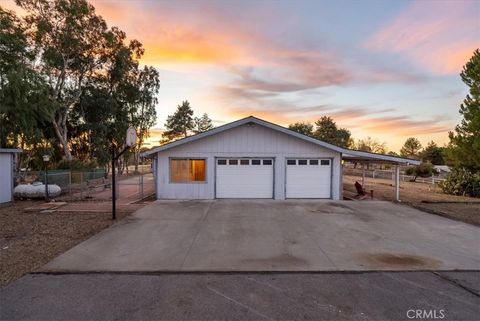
244 181
308 181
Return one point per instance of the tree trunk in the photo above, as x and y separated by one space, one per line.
61 134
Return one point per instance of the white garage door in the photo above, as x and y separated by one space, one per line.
244 178
309 178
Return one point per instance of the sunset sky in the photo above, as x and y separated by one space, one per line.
386 69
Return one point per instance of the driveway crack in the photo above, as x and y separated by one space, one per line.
254 311
317 245
204 218
458 284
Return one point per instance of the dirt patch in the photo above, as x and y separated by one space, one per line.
465 212
425 197
399 260
28 240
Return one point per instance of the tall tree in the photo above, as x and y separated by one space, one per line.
411 148
124 95
432 154
302 128
144 117
69 37
202 124
327 131
25 108
464 148
371 145
180 123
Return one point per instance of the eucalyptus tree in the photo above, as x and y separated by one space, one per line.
25 107
69 38
94 82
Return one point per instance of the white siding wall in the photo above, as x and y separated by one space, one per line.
6 177
243 141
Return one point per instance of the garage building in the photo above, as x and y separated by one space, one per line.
253 158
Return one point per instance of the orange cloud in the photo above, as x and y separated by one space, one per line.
394 130
439 35
169 37
361 118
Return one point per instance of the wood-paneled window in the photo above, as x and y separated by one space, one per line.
187 170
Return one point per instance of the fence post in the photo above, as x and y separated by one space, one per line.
141 182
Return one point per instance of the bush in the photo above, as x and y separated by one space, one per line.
422 170
77 165
461 181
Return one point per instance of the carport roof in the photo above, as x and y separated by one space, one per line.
347 154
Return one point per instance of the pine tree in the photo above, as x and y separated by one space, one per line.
202 124
180 123
411 148
432 154
464 148
327 131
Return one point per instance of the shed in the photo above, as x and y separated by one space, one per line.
7 157
253 158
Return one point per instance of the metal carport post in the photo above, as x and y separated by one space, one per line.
397 182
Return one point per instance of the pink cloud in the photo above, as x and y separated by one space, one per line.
438 35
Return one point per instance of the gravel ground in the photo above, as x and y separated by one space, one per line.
424 197
28 240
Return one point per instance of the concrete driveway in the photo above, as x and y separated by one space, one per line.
250 235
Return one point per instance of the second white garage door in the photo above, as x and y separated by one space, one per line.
244 178
308 178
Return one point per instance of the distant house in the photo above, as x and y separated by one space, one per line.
253 158
442 169
7 157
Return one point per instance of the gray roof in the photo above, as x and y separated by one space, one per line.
10 150
348 153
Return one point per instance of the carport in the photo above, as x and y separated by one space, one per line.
364 158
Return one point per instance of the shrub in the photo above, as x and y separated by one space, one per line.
422 170
461 181
76 165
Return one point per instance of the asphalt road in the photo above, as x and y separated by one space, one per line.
244 296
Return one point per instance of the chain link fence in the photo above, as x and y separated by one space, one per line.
94 184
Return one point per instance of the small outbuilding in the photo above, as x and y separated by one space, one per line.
253 158
7 160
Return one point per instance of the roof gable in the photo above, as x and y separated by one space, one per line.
238 123
260 122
